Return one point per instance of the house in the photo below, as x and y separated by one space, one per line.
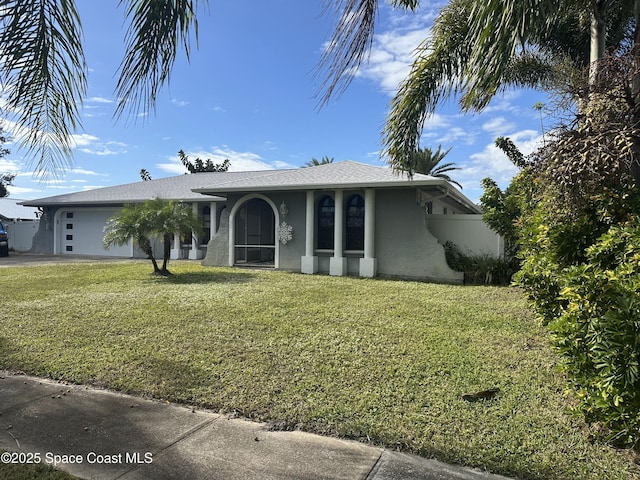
21 223
343 218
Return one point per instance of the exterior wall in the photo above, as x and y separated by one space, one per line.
21 234
468 232
404 245
288 255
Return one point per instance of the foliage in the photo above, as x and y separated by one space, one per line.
150 221
145 175
380 360
44 72
598 332
480 269
580 248
314 162
479 48
5 178
199 165
426 161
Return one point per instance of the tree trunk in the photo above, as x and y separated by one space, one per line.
167 253
598 38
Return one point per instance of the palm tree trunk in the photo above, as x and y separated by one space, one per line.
598 38
167 253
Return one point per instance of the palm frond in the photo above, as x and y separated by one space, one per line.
157 29
43 74
350 43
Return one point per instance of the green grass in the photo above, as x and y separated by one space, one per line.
375 360
35 471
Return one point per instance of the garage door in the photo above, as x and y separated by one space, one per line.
81 233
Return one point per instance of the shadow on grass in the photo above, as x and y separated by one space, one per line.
213 276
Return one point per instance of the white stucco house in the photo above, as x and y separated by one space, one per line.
341 218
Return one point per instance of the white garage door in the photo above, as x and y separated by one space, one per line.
81 233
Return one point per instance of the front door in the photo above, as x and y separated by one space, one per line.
255 234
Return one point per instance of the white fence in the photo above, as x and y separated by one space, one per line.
468 232
21 234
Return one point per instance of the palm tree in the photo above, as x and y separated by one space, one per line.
149 221
476 49
314 162
44 73
134 222
425 161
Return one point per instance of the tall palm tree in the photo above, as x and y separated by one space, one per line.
44 74
427 162
476 49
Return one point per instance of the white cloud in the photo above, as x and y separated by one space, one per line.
492 162
99 100
179 103
83 139
82 171
498 126
9 166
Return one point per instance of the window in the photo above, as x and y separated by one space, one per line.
70 237
69 214
69 248
355 223
326 222
69 226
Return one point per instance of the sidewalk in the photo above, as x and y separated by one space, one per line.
95 434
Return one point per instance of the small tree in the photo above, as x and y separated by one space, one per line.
199 165
5 178
149 221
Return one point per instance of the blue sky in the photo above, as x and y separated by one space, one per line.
248 95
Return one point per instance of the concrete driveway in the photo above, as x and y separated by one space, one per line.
16 259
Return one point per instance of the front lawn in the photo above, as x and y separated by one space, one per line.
381 361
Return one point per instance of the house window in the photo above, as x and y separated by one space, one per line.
70 237
326 222
69 214
69 248
355 223
69 226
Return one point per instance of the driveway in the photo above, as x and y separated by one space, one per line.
16 259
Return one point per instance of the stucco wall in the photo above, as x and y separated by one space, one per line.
468 232
404 245
21 234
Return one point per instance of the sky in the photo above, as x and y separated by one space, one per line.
249 94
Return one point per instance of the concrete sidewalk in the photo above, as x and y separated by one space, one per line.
97 434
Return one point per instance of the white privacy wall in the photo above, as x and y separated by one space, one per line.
468 232
21 234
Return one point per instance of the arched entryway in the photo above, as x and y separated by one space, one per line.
254 234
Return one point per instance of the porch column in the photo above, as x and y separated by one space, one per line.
338 263
309 263
195 253
368 263
175 248
213 220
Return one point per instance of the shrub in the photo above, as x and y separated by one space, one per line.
480 269
598 332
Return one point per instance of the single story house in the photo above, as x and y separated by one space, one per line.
343 218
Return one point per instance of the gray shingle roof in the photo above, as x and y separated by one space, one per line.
178 188
347 174
205 186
